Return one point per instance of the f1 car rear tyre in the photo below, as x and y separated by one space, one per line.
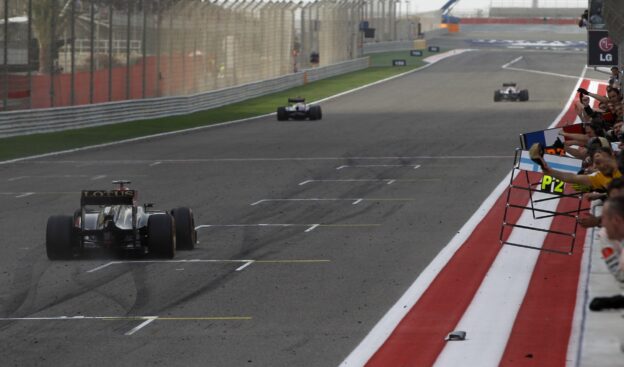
315 113
60 237
497 96
161 236
282 114
524 95
186 236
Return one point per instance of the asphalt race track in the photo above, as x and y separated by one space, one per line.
364 199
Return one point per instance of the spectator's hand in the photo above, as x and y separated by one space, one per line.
547 170
591 196
582 91
589 221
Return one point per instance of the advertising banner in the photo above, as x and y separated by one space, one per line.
601 50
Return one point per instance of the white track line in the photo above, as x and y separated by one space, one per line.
16 178
149 320
311 228
164 261
246 262
377 165
382 330
388 181
24 195
103 266
507 66
354 200
490 317
240 268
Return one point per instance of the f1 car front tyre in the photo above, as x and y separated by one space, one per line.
497 96
186 236
161 236
282 114
60 237
315 113
524 95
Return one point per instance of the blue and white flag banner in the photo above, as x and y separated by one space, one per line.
548 137
565 164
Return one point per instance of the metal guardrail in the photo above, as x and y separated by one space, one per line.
64 118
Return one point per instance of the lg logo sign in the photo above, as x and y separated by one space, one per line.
601 50
605 44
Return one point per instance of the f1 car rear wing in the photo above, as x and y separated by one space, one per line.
107 197
296 100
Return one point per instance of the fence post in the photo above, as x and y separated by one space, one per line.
5 68
30 54
72 85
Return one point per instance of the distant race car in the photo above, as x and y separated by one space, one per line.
112 220
299 110
510 92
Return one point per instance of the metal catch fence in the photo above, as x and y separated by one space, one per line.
57 53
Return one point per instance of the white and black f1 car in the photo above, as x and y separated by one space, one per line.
112 220
510 92
299 110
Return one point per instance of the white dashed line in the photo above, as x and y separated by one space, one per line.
103 266
240 268
17 178
149 320
376 165
312 228
25 194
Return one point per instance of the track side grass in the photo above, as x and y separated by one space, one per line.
29 145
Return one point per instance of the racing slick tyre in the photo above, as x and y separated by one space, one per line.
524 95
161 236
497 96
315 113
282 114
186 236
60 237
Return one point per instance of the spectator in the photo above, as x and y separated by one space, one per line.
596 21
614 80
604 162
615 189
593 130
613 95
613 224
580 107
584 19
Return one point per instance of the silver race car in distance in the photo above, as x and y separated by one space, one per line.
112 220
510 92
299 110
